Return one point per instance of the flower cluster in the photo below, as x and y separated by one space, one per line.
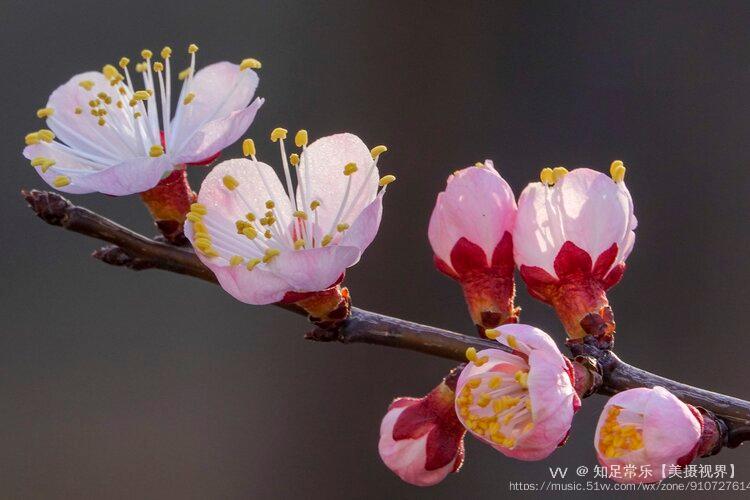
290 238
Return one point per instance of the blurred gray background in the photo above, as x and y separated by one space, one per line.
115 384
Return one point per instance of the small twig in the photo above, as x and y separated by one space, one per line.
138 252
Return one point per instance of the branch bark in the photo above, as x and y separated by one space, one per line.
134 251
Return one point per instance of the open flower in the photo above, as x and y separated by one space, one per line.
471 234
649 429
521 403
420 439
263 242
112 138
573 233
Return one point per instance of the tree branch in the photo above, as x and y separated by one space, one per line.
129 249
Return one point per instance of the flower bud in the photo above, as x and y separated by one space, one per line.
421 440
471 235
521 403
571 241
649 430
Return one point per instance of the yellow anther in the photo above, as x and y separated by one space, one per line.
615 165
124 61
61 181
481 361
512 342
200 227
252 263
141 95
270 254
44 112
236 260
326 240
199 208
386 179
299 244
619 173
102 122
188 98
140 67
350 168
158 67
479 164
491 334
241 225
270 204
248 147
294 159
137 114
474 383
38 161
166 52
78 110
46 135
86 84
300 215
278 133
31 138
230 182
156 151
110 72
44 163
483 400
494 382
300 139
522 378
192 48
250 232
193 217
547 176
268 234
184 73
147 54
471 354
342 227
314 204
250 63
250 216
377 151
559 173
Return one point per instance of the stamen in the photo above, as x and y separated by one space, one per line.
192 48
252 263
350 168
248 147
189 98
124 61
270 254
300 139
156 151
617 170
146 54
386 179
294 159
86 84
250 63
491 334
471 354
166 53
547 176
559 173
61 181
230 182
278 133
236 260
45 112
377 151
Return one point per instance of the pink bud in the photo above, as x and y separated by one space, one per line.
421 440
523 403
471 234
648 430
571 241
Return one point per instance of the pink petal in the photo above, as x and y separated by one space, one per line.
73 167
313 269
132 176
536 239
532 337
365 226
478 205
220 89
326 159
217 134
669 428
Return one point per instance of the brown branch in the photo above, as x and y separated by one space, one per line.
610 376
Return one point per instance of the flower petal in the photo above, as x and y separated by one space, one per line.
313 269
220 89
326 159
218 134
366 225
478 205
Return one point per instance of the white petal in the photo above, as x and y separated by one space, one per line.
326 159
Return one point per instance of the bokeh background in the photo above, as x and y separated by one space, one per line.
116 384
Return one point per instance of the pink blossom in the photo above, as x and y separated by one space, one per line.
522 403
471 233
649 429
263 241
572 237
107 136
420 439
